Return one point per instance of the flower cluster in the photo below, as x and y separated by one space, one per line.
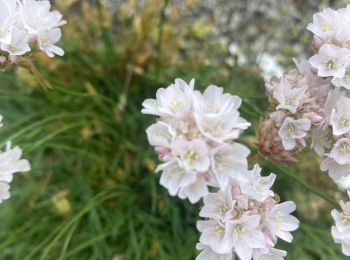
10 163
27 21
332 41
245 219
194 138
310 103
307 103
297 101
341 230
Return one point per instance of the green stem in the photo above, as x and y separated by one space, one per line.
307 186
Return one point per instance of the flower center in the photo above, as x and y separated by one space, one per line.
218 230
176 103
327 26
237 230
190 156
345 217
223 208
289 101
223 162
211 106
45 41
291 128
343 122
344 148
331 64
347 75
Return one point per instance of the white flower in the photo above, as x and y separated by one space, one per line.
341 151
194 191
10 163
269 254
279 221
344 81
36 16
331 61
214 102
288 97
292 129
228 161
340 116
7 19
221 128
256 186
216 235
174 177
208 254
320 140
343 183
194 154
47 41
174 101
341 230
217 115
19 44
325 24
269 66
246 235
160 134
4 191
218 205
335 170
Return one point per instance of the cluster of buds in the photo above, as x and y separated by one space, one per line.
245 219
25 22
297 102
194 138
341 229
10 163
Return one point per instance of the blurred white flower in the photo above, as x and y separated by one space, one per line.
269 254
341 229
269 66
288 98
340 116
256 186
228 161
325 24
291 130
194 136
280 223
19 44
25 21
10 163
47 41
331 61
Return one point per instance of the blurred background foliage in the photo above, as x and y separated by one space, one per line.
92 192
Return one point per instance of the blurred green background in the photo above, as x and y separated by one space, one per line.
92 192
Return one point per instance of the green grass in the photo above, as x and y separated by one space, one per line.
85 137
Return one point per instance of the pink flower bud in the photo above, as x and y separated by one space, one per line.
314 70
316 118
301 142
268 88
317 42
13 59
166 158
236 191
161 150
2 59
